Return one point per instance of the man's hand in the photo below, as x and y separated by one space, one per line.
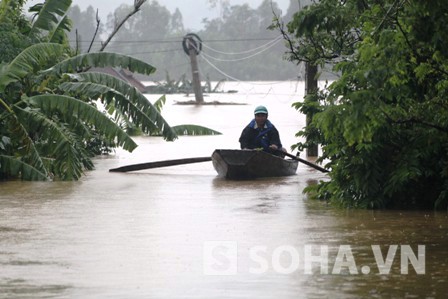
273 147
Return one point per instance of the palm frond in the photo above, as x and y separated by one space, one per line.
30 154
72 107
115 103
134 96
101 59
49 15
64 146
88 89
13 166
58 35
194 130
160 103
29 61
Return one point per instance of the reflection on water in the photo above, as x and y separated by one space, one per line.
19 288
146 234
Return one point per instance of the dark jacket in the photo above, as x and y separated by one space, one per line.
253 137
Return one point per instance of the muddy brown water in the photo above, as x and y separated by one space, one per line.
181 232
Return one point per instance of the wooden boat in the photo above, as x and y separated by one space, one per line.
249 164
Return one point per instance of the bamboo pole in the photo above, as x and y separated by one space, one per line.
158 164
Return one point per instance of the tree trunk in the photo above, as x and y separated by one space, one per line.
310 87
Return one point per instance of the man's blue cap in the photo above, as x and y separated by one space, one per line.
261 109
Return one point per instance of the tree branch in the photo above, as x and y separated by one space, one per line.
96 31
137 5
278 23
413 120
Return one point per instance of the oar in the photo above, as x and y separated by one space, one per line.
304 161
157 164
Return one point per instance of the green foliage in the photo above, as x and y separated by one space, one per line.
75 110
50 123
11 42
123 98
101 59
13 30
383 124
29 61
193 130
50 18
15 167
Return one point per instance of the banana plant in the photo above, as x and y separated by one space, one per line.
49 114
56 113
51 20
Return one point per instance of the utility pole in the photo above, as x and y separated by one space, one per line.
310 88
192 47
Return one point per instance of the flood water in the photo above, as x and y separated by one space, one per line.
181 232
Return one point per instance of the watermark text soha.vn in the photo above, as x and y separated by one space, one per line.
221 258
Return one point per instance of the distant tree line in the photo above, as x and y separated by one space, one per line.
236 46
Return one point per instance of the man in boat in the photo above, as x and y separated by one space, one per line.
260 133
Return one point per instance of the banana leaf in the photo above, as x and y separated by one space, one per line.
16 167
81 110
49 15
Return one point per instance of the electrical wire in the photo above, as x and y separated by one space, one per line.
157 51
243 58
264 47
274 41
222 72
177 40
239 80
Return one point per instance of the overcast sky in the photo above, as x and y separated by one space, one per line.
193 11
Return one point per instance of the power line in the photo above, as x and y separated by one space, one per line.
159 41
158 51
220 71
115 45
260 49
238 39
274 41
239 80
243 58
263 48
162 41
